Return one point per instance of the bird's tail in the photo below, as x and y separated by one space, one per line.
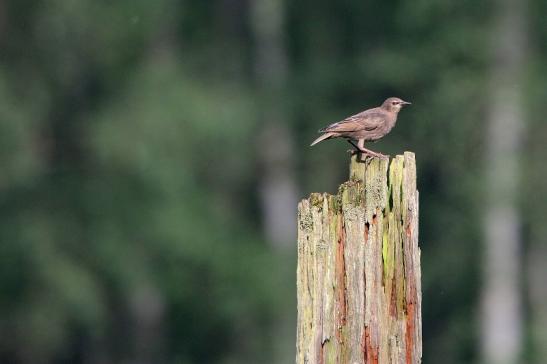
321 138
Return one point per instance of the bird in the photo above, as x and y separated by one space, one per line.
368 125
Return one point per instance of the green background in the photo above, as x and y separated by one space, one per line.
136 137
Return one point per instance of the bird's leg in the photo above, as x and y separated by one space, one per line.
361 144
352 151
360 147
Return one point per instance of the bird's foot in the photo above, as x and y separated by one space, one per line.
368 153
377 155
365 151
380 155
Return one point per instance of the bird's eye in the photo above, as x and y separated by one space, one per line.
394 103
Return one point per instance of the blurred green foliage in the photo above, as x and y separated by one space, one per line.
130 228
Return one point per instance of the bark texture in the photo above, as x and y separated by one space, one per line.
358 275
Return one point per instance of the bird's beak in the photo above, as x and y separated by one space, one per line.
406 103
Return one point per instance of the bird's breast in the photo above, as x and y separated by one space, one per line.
380 131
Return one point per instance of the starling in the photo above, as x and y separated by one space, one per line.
369 125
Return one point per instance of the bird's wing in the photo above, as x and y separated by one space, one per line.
366 120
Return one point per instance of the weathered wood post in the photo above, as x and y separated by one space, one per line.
358 275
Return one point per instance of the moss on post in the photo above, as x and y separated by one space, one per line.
358 275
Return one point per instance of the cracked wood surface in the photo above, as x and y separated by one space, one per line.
358 274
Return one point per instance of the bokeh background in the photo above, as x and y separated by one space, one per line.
152 154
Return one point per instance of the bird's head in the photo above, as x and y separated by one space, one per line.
394 104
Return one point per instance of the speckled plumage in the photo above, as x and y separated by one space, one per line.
369 125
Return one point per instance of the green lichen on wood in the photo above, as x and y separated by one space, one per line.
357 168
358 267
316 199
304 218
351 194
329 352
333 203
387 248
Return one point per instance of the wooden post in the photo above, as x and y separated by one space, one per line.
358 275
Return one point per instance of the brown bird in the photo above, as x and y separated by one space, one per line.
369 125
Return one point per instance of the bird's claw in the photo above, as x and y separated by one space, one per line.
353 152
380 155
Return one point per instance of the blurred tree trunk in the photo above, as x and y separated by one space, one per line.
277 184
537 271
358 276
502 318
536 205
147 312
